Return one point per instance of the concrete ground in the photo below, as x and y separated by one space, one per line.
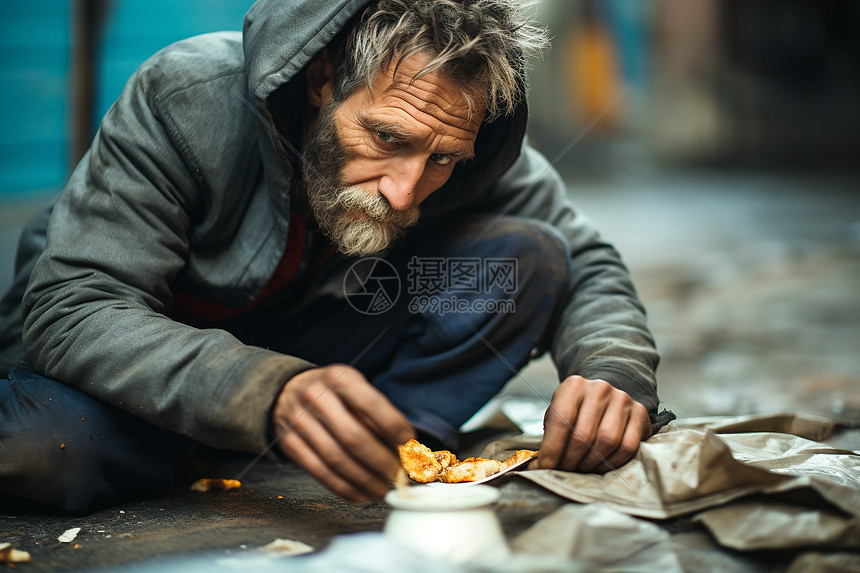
751 283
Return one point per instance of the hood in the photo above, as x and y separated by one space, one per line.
281 36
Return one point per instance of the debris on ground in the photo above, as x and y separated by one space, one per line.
287 547
69 535
8 554
208 484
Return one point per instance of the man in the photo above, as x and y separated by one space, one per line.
197 278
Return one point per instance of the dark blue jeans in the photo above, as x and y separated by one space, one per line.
439 326
64 448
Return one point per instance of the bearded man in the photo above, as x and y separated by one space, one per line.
197 279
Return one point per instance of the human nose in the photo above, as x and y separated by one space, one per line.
399 184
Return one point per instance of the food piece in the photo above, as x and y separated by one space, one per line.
445 458
10 555
471 469
424 465
519 456
419 462
207 484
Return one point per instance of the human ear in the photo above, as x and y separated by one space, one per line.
320 79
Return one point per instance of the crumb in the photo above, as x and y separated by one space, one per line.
10 556
207 484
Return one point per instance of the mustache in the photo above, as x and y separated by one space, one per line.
376 207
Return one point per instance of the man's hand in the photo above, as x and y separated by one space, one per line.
341 429
591 427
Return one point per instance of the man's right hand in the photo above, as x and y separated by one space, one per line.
335 424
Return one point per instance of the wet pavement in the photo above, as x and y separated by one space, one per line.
751 283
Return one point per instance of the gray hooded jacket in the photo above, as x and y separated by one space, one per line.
186 188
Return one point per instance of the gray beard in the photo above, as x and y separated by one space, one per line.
358 221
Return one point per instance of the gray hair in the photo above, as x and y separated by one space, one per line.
482 45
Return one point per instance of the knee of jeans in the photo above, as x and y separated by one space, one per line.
55 444
55 466
540 250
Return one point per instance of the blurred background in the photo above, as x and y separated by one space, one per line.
714 142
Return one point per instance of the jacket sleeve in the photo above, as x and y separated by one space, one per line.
601 332
94 310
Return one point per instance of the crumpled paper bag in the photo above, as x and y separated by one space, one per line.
796 424
593 538
760 524
673 473
815 562
681 471
814 488
598 538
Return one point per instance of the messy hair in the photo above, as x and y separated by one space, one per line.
481 45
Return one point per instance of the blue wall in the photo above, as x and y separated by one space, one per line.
34 68
34 71
136 29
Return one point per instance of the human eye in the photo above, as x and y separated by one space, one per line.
441 158
385 137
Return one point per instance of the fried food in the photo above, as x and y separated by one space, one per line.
471 469
424 465
445 458
419 461
519 456
207 484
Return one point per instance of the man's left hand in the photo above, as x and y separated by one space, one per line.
590 426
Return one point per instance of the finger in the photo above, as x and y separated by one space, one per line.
355 439
337 460
585 430
560 414
300 452
375 410
640 412
581 442
625 451
609 433
638 429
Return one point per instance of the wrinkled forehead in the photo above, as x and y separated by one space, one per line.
409 85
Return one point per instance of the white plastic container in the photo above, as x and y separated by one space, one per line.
454 524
